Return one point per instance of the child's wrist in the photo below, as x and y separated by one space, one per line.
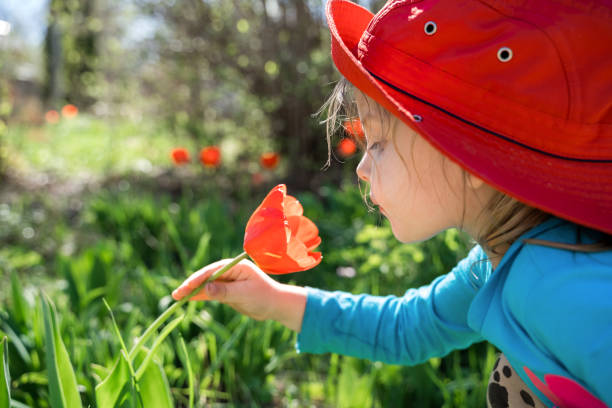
291 303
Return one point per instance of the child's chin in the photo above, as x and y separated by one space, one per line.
411 236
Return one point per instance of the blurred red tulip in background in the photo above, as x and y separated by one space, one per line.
52 116
346 147
353 127
70 111
269 160
210 156
257 179
180 155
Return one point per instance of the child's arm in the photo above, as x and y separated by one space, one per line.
426 322
250 291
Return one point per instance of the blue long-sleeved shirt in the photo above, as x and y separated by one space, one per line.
545 308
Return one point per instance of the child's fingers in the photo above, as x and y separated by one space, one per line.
196 279
224 291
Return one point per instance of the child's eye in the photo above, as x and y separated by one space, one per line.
374 146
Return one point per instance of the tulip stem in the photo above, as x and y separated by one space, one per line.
168 312
221 271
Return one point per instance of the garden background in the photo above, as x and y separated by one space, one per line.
94 208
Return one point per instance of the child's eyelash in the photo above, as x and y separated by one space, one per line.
374 145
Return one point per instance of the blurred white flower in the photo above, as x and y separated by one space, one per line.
346 272
5 27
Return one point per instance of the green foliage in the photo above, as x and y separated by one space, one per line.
86 147
133 250
114 390
5 377
63 391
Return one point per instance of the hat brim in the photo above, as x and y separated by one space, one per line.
577 190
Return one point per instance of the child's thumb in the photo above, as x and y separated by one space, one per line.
217 291
228 292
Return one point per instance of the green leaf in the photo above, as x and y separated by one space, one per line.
109 391
99 370
187 363
158 341
176 239
63 391
20 310
17 404
17 343
73 289
5 377
201 253
153 385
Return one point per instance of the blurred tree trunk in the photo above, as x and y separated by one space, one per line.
276 50
81 70
71 52
291 41
53 64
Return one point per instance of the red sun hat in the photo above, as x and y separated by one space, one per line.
517 92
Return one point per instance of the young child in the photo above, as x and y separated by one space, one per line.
494 117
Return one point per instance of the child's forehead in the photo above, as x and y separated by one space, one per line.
368 108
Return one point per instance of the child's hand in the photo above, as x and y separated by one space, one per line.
250 291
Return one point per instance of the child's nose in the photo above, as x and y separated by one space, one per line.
363 169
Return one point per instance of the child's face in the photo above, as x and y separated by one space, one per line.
415 187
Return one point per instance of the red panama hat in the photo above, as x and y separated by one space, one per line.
517 92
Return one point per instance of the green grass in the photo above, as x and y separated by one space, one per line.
142 246
129 248
86 146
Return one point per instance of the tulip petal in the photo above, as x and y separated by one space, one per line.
279 238
292 206
288 265
305 231
572 394
274 198
267 232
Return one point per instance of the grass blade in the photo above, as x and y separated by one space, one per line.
158 341
109 391
117 332
5 377
154 390
189 370
20 309
175 237
227 346
63 391
201 253
119 388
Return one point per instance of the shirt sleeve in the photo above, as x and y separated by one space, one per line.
426 322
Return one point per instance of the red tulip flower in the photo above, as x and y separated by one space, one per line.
70 111
354 128
346 147
269 160
210 156
279 238
180 156
52 116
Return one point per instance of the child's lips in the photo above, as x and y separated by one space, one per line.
380 208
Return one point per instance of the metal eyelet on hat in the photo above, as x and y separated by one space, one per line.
504 54
430 28
417 118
